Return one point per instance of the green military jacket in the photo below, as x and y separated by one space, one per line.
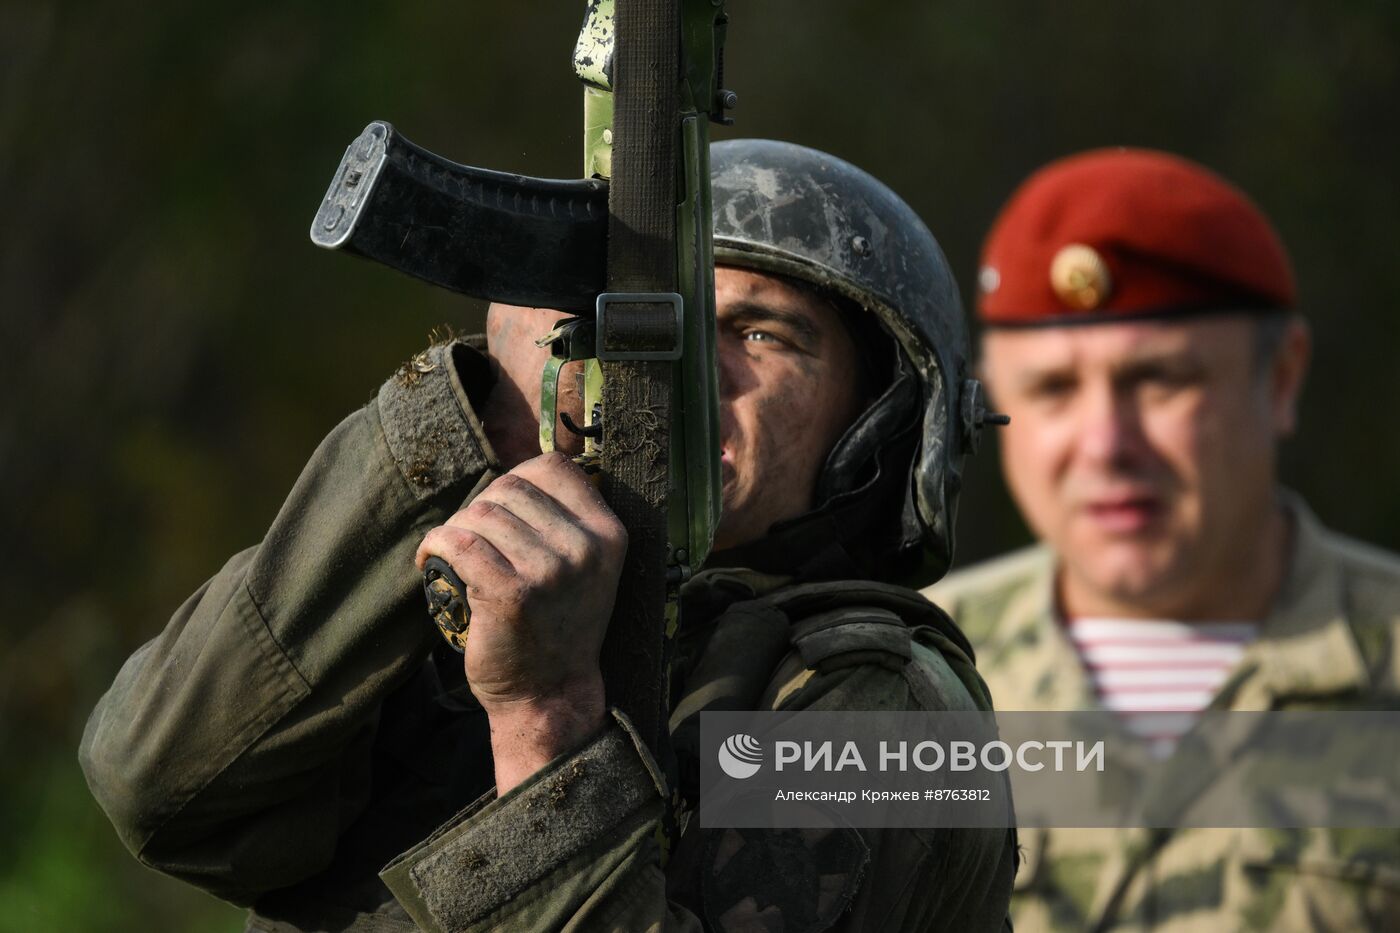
299 739
1329 642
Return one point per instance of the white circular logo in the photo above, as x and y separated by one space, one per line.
740 756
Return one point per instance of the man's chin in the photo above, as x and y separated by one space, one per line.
733 531
1145 586
726 535
1131 572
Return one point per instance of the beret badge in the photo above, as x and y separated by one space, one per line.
1080 277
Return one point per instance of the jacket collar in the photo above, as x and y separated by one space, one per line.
1029 661
1306 646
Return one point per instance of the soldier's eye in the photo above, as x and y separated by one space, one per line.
762 336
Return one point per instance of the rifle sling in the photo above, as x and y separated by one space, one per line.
637 394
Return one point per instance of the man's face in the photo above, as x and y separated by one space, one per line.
1143 452
787 385
788 391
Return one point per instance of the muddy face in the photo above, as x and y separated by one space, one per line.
787 380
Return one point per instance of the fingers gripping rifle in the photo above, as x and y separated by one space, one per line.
628 250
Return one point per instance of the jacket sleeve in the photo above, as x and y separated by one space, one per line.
574 848
233 748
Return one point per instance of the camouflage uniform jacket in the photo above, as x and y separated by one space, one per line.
299 724
1329 642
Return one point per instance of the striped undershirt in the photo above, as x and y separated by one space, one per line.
1158 675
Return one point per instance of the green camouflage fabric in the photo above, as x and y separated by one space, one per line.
300 740
1328 643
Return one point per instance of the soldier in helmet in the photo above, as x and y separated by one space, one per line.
1141 332
299 740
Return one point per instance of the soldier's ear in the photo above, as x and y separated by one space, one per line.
1287 372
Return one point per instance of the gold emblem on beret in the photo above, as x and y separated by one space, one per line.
1080 277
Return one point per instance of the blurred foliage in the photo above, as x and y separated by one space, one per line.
174 348
65 870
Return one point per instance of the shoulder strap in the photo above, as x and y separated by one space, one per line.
860 622
850 633
907 606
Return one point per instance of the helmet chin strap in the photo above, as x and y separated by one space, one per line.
866 524
849 461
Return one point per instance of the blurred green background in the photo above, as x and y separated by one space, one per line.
174 348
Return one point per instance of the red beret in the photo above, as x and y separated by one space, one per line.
1120 232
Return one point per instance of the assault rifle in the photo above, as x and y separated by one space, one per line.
628 249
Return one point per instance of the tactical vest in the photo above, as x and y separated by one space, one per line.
755 655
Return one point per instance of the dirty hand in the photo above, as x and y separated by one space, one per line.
541 553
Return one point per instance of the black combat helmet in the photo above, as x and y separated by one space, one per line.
889 488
